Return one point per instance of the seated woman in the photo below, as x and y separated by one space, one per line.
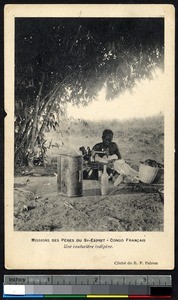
107 148
107 151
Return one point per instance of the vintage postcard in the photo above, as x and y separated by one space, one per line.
89 137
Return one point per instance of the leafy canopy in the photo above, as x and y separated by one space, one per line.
80 55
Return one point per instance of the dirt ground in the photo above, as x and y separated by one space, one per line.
128 207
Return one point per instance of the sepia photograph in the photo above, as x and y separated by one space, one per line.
89 124
89 147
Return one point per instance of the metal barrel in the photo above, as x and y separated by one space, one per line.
70 175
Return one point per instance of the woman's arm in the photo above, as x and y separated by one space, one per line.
116 151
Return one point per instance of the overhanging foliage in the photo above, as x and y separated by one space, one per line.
61 60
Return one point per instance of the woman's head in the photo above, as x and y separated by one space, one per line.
107 137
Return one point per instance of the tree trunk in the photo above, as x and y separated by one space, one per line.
45 105
35 121
50 107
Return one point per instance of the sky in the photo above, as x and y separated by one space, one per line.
147 100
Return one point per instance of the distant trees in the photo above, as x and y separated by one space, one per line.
69 60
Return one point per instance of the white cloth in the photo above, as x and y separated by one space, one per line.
123 168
